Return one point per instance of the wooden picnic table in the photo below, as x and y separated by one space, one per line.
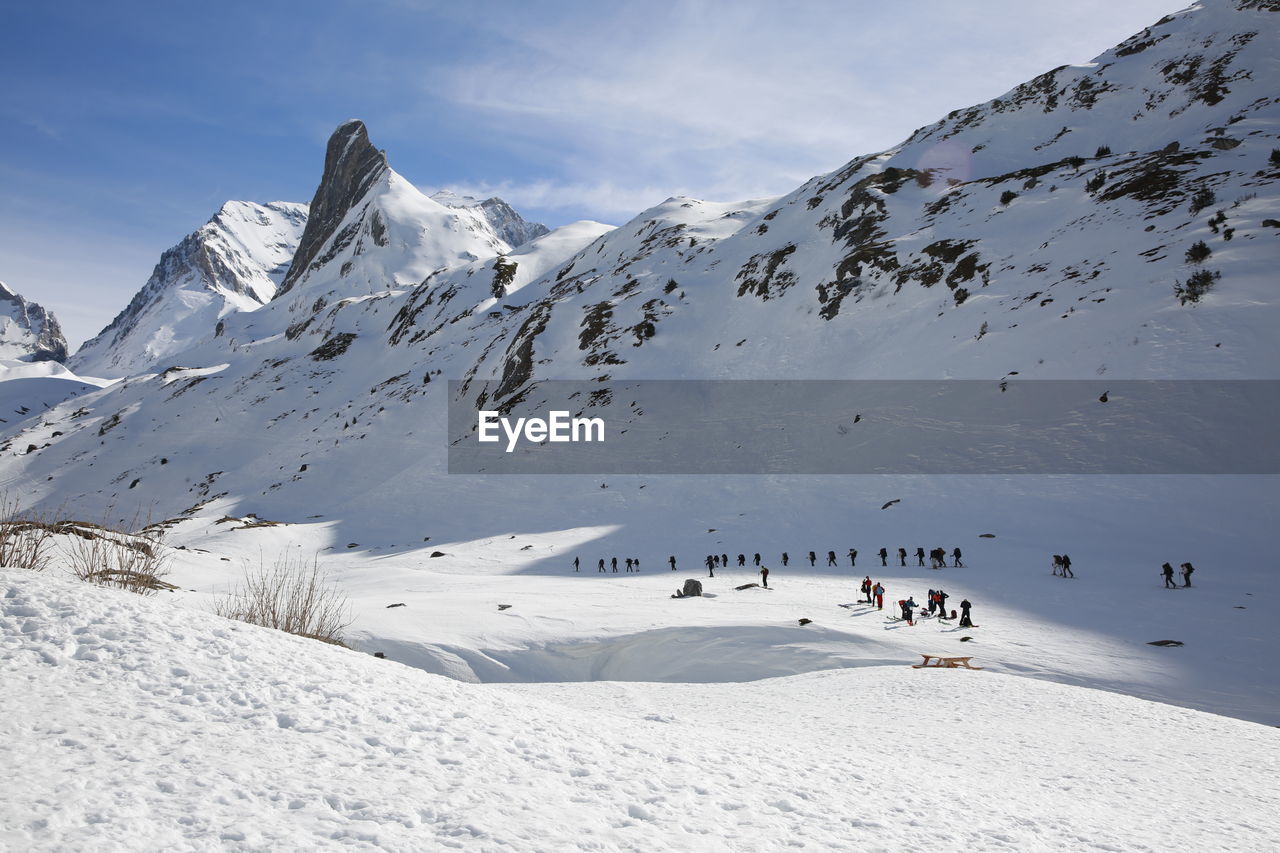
945 662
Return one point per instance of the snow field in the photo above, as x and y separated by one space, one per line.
131 723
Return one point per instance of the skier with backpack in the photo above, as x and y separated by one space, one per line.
1066 567
853 557
955 559
1167 571
785 559
878 592
920 557
831 558
902 557
884 556
813 559
866 589
1187 569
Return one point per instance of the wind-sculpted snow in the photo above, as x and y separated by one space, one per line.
141 724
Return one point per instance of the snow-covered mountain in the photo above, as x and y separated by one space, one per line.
28 331
370 230
989 243
502 217
234 262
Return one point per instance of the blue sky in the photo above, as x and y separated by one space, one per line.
124 126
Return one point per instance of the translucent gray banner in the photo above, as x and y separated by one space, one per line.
867 427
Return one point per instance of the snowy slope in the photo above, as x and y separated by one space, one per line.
234 262
28 331
141 724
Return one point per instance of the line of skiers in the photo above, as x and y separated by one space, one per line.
632 564
1167 571
937 560
937 557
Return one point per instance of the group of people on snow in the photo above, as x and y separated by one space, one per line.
1062 566
1167 571
632 564
937 557
873 593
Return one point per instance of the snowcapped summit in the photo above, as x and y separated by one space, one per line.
370 230
28 331
234 262
506 222
351 167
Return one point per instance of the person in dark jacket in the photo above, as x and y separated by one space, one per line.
785 559
575 564
955 559
742 560
1187 569
902 556
932 598
724 560
764 576
757 559
965 621
1167 570
602 564
908 609
1066 567
884 556
942 604
853 557
813 559
920 557
630 563
614 562
831 558
866 588
672 561
711 565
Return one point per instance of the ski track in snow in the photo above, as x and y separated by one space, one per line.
130 723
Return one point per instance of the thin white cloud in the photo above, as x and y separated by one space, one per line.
751 98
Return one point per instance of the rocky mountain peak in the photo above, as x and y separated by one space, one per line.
28 331
351 167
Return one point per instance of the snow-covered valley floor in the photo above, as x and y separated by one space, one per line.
149 723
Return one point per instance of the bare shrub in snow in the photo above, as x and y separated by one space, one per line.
114 557
290 595
26 539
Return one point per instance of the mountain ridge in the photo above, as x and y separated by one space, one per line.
28 331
